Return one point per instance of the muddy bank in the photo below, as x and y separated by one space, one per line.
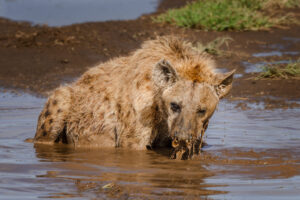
39 58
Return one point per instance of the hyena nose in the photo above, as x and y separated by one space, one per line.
185 136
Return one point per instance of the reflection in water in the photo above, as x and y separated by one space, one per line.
252 153
275 53
135 173
66 12
259 66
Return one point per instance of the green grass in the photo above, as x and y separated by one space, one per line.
221 15
267 4
291 70
213 47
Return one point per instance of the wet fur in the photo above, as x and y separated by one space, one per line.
116 103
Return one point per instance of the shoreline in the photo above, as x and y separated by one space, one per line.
37 59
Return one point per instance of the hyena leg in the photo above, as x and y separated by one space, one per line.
51 127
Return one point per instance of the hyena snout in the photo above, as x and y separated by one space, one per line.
185 136
190 131
189 135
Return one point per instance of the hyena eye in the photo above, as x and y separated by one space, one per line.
201 111
175 107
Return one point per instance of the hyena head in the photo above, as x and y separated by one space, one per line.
188 105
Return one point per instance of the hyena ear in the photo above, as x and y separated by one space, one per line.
164 74
224 83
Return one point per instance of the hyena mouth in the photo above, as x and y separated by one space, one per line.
185 149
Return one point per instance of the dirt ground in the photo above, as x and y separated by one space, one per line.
39 58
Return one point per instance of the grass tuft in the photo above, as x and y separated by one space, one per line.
271 4
214 46
221 15
291 70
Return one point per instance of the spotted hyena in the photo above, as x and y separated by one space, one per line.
162 94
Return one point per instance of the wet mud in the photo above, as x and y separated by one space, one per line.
253 139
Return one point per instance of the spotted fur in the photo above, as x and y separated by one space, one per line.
125 102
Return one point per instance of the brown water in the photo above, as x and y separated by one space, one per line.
252 154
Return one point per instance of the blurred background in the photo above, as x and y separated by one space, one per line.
66 12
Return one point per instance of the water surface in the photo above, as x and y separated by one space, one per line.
66 12
251 154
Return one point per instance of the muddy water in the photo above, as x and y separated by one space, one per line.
252 154
66 12
274 54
